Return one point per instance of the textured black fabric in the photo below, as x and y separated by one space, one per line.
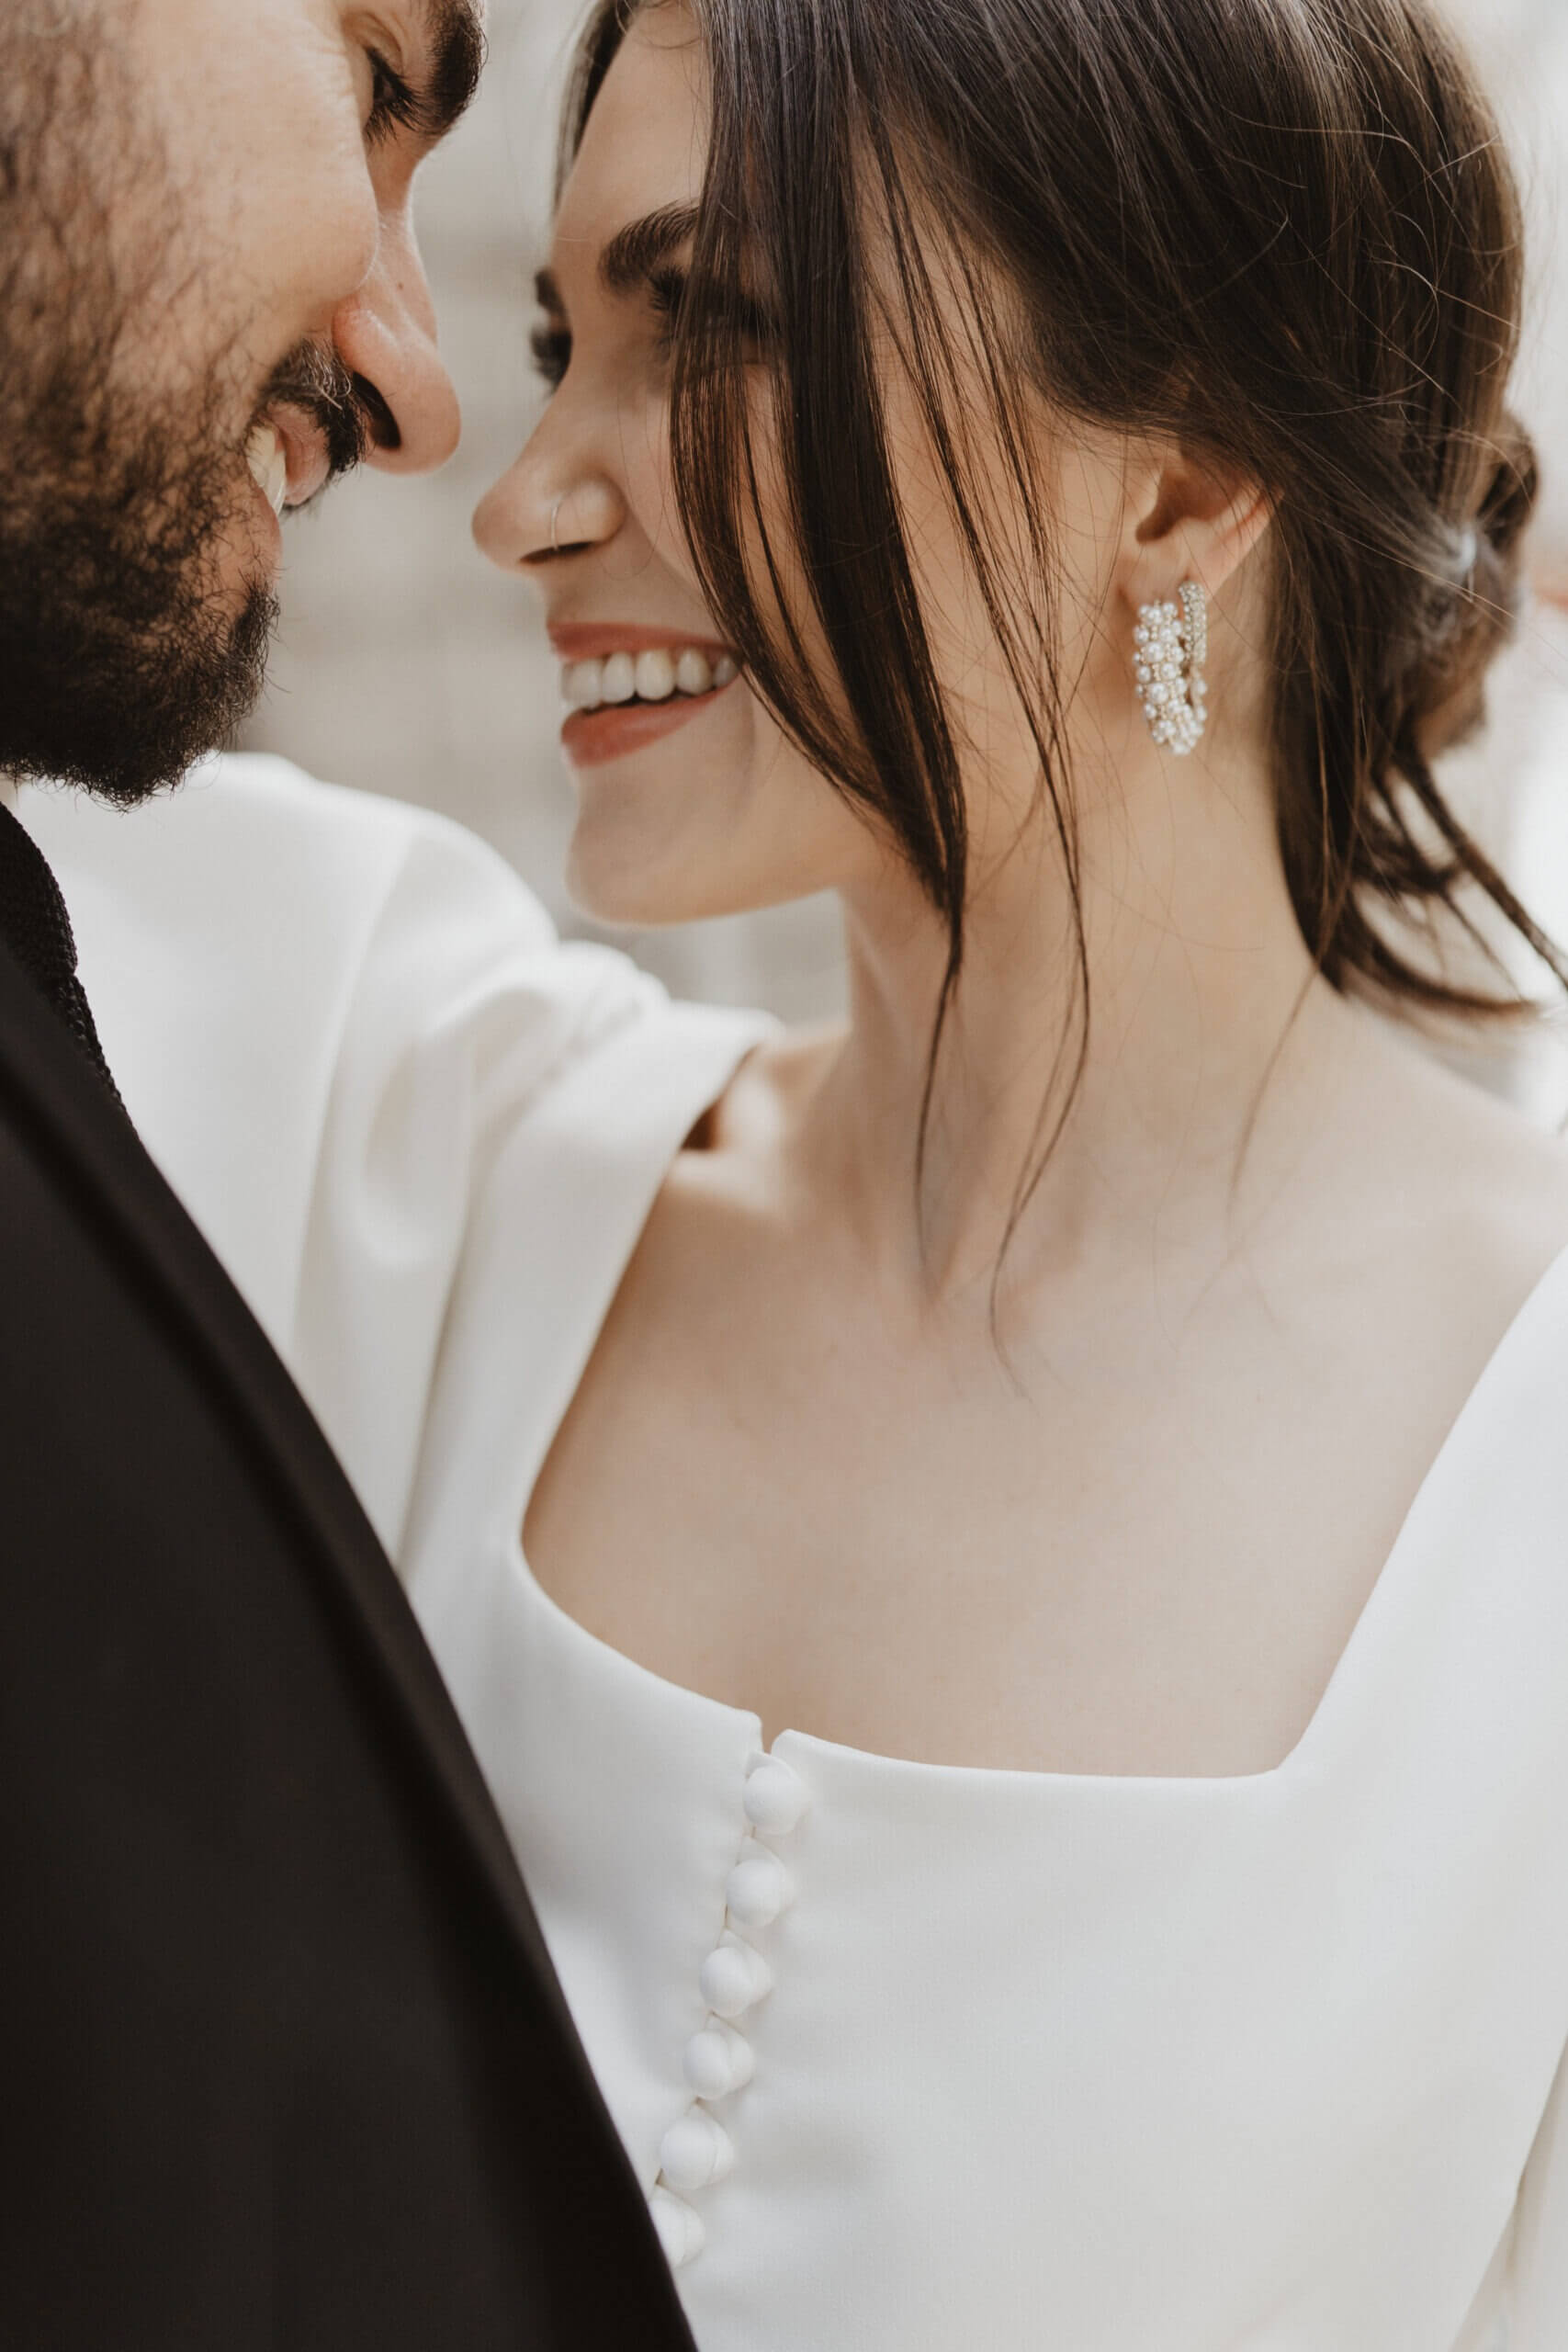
36 927
285 2065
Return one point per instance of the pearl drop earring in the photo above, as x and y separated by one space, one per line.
1170 647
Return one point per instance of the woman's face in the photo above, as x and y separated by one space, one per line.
692 801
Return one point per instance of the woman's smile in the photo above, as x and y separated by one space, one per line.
627 684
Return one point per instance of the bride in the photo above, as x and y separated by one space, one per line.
1005 1564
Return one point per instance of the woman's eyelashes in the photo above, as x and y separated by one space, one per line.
667 293
727 319
551 342
668 305
551 346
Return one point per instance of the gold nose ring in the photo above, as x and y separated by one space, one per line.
554 520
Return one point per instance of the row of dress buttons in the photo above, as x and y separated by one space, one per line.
696 2151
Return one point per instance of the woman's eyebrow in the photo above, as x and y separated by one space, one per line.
631 258
634 253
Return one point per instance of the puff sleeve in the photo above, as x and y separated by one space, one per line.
325 1012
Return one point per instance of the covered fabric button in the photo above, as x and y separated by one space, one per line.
718 2061
758 1887
695 2151
680 2227
733 1976
774 1797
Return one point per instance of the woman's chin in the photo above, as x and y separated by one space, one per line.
663 838
636 885
611 883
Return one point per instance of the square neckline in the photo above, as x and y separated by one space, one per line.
1349 1663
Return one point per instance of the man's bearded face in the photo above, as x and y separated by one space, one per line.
189 245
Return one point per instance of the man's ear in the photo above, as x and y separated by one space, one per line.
1189 519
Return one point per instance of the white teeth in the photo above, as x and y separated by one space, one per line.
650 677
655 675
268 462
620 678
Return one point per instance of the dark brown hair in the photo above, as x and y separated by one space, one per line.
1285 233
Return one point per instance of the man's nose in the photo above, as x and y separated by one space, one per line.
385 334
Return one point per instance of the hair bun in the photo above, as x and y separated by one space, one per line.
1447 683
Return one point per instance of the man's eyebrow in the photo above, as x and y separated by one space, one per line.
458 46
633 252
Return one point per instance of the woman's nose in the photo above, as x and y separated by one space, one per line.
539 510
385 334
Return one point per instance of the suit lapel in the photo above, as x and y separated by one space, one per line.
36 928
52 1094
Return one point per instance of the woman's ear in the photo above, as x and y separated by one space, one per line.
1189 518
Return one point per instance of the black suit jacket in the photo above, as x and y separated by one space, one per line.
283 2062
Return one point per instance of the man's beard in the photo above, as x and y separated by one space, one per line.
122 656
121 665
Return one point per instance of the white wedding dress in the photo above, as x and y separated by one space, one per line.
907 2058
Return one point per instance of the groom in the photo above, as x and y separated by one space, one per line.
284 2062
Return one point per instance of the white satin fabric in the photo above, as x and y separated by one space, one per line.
1262 2064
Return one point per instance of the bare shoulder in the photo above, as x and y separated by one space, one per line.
737 1155
1456 1160
729 1204
774 1085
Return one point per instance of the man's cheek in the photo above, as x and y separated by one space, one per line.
307 218
277 195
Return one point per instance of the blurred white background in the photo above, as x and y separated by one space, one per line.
408 665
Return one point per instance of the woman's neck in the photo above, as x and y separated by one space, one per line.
1211 1057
